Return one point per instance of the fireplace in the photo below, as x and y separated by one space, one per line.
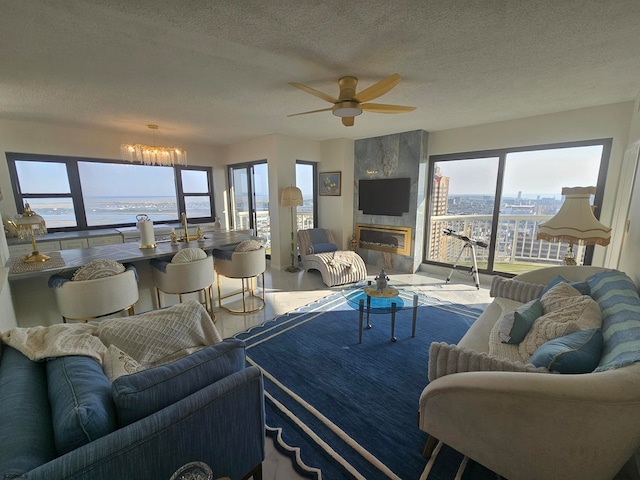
384 238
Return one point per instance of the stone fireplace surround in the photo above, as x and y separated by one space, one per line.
398 155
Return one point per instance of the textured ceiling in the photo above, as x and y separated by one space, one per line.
217 71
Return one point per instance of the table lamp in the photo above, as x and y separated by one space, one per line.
292 197
28 225
575 223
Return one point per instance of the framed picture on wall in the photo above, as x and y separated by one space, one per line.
330 184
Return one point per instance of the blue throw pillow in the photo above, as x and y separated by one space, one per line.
140 394
82 408
583 287
323 247
515 325
577 352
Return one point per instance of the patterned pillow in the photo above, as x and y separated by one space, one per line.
98 269
117 363
618 299
248 246
189 255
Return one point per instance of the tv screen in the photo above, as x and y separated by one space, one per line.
388 196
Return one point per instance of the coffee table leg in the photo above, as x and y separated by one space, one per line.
368 311
415 314
393 321
361 317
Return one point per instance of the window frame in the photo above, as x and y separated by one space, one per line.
314 166
76 193
501 154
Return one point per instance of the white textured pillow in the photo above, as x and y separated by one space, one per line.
189 255
98 269
574 313
117 363
248 246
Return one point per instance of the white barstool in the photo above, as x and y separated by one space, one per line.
245 266
83 300
195 276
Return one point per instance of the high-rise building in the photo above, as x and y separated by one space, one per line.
439 206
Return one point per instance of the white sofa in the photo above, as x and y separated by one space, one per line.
536 425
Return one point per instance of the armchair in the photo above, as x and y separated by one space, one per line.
320 251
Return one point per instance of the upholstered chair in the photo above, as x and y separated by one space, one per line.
320 251
246 266
189 271
96 290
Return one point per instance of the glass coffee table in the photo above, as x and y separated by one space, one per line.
365 298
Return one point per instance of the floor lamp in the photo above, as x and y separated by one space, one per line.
292 197
575 223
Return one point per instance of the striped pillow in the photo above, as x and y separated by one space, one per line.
618 299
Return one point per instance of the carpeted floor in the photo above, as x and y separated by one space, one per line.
350 409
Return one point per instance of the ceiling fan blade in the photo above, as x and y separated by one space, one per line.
378 89
312 111
384 108
312 91
348 121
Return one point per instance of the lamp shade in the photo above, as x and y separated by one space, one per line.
30 223
575 222
291 197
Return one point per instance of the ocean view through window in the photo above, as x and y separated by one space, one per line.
76 193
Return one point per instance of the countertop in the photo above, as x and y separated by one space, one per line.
130 252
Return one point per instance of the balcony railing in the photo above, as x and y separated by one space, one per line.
516 247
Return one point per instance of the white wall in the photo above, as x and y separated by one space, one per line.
608 121
630 249
52 139
336 213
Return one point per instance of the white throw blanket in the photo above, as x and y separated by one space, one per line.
152 338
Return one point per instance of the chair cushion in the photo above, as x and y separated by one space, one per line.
618 299
189 255
98 269
323 247
248 246
82 407
577 352
515 325
26 435
143 393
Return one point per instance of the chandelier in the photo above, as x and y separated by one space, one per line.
152 154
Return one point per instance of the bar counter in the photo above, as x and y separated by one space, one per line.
34 302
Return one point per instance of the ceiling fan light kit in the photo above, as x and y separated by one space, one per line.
349 105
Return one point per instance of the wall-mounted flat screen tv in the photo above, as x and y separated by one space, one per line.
387 196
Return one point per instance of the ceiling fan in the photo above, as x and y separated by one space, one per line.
349 104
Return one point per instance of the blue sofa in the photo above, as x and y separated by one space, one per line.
63 419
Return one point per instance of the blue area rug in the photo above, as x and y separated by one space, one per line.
347 410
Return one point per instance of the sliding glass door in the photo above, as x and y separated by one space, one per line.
249 199
500 197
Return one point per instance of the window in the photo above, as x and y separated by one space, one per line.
500 197
307 182
78 194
